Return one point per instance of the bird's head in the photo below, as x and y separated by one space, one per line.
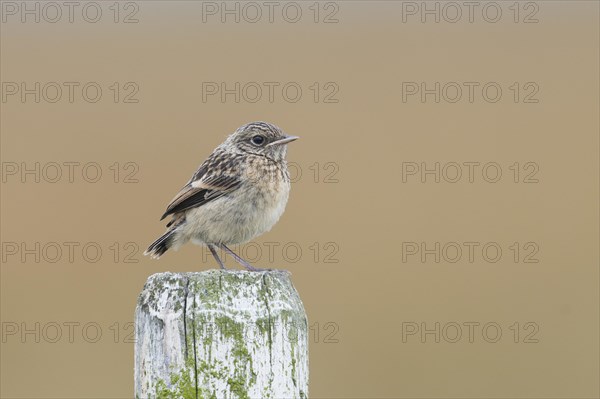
261 138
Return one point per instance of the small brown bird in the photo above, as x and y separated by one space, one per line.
237 194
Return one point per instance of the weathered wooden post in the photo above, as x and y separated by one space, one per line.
220 334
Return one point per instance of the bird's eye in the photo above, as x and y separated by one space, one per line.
258 140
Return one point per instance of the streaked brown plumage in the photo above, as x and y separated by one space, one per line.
238 193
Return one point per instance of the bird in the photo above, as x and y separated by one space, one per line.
238 193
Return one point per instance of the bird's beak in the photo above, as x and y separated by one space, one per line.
285 140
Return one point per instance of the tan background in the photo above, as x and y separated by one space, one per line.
367 213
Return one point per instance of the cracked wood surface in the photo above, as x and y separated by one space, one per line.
221 334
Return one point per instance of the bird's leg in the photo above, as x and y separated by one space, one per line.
213 251
241 261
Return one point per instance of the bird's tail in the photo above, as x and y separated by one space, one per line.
161 245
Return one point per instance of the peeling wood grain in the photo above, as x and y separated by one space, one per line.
221 334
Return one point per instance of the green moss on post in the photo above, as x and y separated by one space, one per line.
217 334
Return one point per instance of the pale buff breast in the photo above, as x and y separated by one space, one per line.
240 216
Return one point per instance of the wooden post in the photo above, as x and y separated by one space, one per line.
220 334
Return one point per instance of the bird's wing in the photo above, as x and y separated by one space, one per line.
211 181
